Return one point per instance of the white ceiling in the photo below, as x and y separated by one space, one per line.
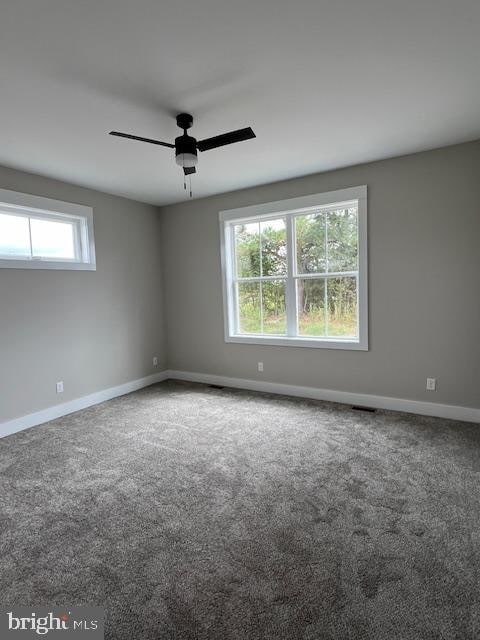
323 83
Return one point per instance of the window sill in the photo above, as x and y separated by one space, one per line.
47 264
316 343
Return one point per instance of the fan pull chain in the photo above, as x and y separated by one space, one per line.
190 181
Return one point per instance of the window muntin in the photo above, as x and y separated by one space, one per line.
40 233
31 238
326 272
260 250
297 276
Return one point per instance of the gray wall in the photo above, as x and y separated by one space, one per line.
98 329
424 279
93 330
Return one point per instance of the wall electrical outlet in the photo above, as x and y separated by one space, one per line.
60 387
155 361
260 366
431 384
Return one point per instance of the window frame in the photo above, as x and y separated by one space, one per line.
39 208
289 209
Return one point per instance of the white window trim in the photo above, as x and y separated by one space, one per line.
299 205
45 208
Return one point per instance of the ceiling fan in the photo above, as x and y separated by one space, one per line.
186 146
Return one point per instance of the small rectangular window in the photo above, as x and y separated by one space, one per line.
39 233
295 272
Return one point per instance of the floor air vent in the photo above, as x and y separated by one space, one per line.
367 409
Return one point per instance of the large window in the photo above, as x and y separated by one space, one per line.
295 272
39 233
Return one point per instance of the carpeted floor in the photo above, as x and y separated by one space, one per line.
193 513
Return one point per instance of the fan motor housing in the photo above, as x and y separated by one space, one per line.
185 144
186 150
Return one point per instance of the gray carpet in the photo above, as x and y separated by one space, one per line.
195 513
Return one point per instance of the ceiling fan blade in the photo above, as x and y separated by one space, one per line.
130 137
189 170
226 138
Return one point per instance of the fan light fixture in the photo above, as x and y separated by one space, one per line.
186 159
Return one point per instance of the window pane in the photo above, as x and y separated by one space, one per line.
274 247
273 304
311 307
342 240
310 238
51 239
247 250
342 307
14 236
249 312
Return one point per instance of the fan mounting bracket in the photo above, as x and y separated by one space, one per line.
184 121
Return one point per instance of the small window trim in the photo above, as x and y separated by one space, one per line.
38 207
296 206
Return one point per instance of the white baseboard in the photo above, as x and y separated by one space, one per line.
453 412
59 410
